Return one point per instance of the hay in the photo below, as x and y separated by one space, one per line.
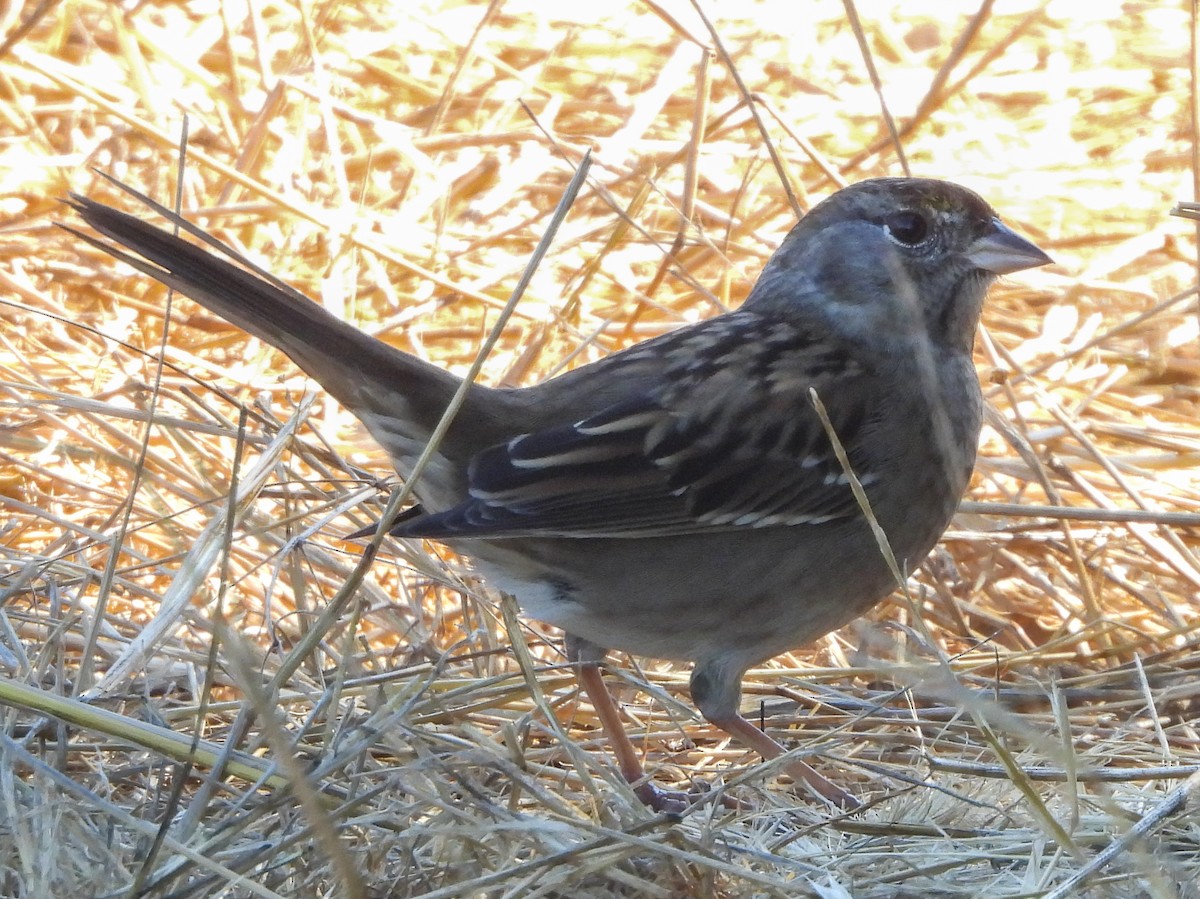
192 702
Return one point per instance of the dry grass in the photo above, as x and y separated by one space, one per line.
399 161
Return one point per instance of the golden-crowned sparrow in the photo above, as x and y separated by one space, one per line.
682 499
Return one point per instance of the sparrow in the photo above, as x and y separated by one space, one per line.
706 495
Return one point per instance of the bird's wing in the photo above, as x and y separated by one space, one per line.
727 438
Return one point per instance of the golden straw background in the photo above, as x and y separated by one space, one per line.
197 697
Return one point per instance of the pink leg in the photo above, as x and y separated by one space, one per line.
716 688
721 712
622 748
738 727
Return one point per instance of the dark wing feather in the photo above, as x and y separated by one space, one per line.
727 439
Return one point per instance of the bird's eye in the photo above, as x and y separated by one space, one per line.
906 227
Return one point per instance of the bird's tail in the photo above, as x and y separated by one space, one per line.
399 397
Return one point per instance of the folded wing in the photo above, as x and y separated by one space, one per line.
727 439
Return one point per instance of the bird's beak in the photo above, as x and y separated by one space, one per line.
1002 251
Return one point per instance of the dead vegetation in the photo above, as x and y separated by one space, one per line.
199 695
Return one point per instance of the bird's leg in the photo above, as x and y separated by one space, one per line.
716 692
589 656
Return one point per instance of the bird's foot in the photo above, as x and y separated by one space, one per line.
821 786
677 802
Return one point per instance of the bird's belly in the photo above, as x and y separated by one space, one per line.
716 599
